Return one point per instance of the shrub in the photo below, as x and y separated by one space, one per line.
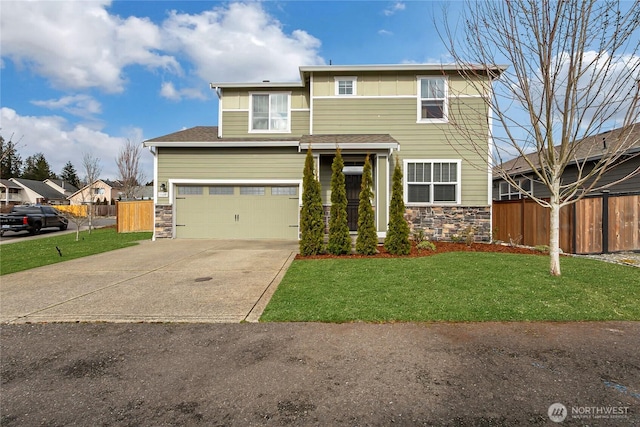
426 245
397 240
311 214
367 240
339 237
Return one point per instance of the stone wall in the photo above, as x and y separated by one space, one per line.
450 222
164 222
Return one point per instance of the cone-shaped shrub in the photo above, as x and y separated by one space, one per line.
311 215
339 238
367 240
397 240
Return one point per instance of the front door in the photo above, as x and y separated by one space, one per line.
352 184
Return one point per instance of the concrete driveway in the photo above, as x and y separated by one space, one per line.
209 281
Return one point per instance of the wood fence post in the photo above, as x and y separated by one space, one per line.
605 221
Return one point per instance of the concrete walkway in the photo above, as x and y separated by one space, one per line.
208 281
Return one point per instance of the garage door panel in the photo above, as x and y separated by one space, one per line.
249 212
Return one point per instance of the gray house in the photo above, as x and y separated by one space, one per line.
590 150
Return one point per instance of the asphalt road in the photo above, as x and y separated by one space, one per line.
11 236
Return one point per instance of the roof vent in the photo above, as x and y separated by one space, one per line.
266 81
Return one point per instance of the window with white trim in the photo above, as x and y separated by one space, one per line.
511 192
346 86
432 99
270 112
432 181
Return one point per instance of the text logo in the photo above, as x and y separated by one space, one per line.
557 412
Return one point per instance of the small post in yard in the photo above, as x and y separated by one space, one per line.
605 221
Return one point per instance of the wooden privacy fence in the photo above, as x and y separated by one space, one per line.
135 216
596 224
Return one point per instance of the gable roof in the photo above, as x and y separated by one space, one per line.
65 185
591 148
40 188
9 184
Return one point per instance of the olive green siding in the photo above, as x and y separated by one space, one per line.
398 117
238 99
235 124
229 164
392 84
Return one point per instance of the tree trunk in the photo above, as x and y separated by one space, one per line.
554 237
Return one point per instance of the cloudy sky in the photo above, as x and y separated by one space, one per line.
86 76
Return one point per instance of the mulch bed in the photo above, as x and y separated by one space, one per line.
441 247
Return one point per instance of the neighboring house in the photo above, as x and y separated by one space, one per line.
97 192
243 178
39 192
10 192
61 186
591 150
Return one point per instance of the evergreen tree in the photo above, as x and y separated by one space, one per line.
10 163
37 168
339 237
70 175
311 215
397 240
367 240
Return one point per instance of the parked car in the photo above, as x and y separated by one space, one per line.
32 218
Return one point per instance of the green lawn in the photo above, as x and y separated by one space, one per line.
21 256
456 286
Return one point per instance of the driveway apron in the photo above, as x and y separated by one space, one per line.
208 281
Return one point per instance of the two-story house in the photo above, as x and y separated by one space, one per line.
243 178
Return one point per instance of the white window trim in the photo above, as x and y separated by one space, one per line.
354 82
251 130
458 182
520 195
445 109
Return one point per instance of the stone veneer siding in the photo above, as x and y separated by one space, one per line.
164 222
447 222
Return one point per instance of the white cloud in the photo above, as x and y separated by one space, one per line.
61 142
395 7
78 44
80 105
169 91
241 42
385 32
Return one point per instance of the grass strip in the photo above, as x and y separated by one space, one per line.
457 287
34 253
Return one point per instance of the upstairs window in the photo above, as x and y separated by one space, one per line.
270 112
345 86
432 99
434 181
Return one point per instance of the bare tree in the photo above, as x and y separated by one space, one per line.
573 74
131 175
92 171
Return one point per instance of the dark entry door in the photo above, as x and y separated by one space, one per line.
352 184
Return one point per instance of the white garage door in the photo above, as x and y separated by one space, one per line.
237 212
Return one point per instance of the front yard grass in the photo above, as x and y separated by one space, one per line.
457 287
29 254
